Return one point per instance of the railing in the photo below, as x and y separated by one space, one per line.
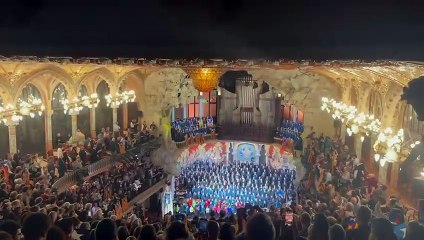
71 178
196 140
158 182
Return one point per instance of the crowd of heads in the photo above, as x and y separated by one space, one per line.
335 200
29 205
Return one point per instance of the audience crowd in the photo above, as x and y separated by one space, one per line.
335 200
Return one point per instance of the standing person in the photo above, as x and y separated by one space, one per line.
116 129
363 217
358 172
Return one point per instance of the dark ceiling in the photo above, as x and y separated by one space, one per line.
212 29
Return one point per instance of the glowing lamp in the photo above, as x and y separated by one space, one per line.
204 79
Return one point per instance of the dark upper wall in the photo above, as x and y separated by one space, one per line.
212 28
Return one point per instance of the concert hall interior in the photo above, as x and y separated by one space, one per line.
212 136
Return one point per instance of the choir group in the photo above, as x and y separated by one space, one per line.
214 187
191 127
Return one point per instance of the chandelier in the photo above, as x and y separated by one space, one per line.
32 107
388 146
77 104
204 79
361 123
120 98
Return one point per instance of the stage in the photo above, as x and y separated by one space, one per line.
227 175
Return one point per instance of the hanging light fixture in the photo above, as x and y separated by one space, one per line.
388 145
120 98
204 79
75 105
357 123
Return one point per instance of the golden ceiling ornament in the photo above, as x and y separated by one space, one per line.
204 79
13 77
381 87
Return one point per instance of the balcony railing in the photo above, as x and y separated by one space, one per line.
71 178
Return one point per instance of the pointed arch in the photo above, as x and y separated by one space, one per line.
54 71
5 90
133 74
92 79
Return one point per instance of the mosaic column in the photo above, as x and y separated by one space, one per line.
48 128
93 122
12 137
74 121
114 115
125 116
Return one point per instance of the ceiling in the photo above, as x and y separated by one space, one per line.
213 28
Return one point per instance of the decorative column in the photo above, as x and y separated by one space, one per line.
382 174
48 127
12 137
200 105
343 132
74 120
125 116
114 115
93 122
358 146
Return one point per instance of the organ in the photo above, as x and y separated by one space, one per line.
246 108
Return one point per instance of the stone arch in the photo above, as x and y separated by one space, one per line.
5 92
92 79
57 86
133 74
54 71
42 90
83 90
306 91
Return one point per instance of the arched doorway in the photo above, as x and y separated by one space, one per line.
104 116
83 118
30 132
4 136
61 121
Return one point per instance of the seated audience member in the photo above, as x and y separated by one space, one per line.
6 236
12 228
55 233
66 226
36 226
106 230
148 232
363 217
319 229
260 227
414 231
382 229
176 231
227 232
213 230
336 232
